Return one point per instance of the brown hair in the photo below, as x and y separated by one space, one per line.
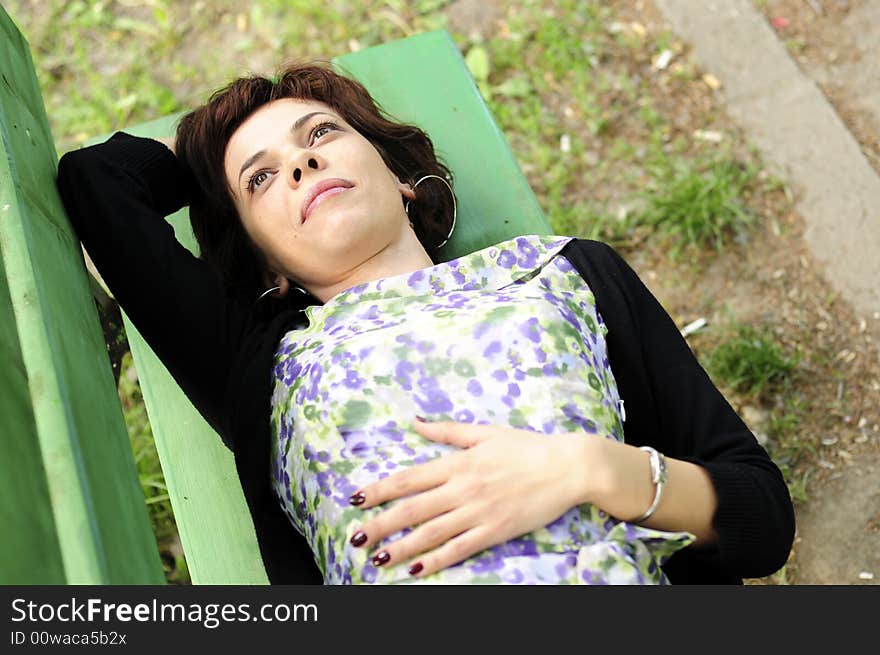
203 134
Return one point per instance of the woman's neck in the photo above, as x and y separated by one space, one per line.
404 255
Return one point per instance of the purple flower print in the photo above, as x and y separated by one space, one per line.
563 264
353 380
491 349
528 254
531 330
464 416
391 430
435 402
371 314
402 372
475 388
369 574
292 370
519 548
488 562
573 414
593 577
506 259
514 577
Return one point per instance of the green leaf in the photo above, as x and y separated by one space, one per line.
514 87
477 60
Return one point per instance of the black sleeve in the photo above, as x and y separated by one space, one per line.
672 404
117 194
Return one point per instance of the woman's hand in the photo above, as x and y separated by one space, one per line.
503 483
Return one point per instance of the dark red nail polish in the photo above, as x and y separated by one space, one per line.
415 568
381 558
358 538
357 499
421 419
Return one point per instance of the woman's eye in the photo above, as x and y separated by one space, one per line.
321 130
256 180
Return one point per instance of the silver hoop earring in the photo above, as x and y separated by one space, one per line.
268 291
454 204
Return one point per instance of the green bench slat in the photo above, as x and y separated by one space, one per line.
66 458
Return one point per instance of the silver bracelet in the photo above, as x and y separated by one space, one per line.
658 477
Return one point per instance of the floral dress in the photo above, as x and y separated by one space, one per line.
508 335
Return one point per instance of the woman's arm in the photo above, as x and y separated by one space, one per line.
672 405
117 194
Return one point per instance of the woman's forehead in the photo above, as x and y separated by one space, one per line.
266 123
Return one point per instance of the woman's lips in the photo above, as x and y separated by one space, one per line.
320 192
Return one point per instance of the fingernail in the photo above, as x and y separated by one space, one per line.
415 568
358 538
422 419
357 499
381 558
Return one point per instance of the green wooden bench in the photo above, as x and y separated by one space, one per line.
422 79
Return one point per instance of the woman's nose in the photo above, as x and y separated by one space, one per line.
297 172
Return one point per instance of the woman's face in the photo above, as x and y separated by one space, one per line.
313 194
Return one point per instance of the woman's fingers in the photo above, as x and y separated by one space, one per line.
463 435
428 535
455 550
412 480
406 514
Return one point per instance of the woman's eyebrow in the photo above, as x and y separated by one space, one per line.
254 157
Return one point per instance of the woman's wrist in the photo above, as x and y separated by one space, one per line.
615 477
595 476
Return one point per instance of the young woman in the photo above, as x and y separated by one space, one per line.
527 413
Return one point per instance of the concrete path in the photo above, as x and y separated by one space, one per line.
788 118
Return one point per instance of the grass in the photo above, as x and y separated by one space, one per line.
702 205
751 361
569 83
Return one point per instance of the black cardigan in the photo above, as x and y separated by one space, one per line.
117 195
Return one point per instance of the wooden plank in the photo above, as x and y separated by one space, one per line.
95 501
29 552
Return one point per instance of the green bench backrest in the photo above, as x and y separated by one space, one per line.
71 507
421 79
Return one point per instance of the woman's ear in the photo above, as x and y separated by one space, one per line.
406 190
277 280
